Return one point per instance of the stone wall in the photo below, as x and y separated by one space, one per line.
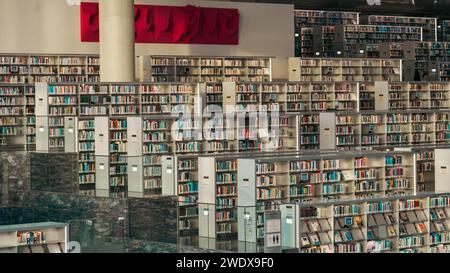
15 174
56 172
153 219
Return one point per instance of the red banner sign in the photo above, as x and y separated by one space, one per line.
171 24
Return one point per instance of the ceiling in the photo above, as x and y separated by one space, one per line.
432 8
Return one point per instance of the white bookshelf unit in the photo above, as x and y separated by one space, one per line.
204 68
24 68
45 237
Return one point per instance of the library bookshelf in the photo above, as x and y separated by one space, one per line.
429 25
204 68
344 69
399 224
24 68
45 237
306 20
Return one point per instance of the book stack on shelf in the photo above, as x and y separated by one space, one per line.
43 69
92 69
183 134
353 40
71 69
345 96
300 186
366 97
118 166
309 131
398 96
336 177
270 190
428 25
234 70
308 22
187 69
397 129
30 115
372 130
94 99
331 70
156 142
321 94
442 127
425 170
399 175
445 30
226 196
273 96
50 68
86 156
418 96
182 97
368 177
214 95
414 225
204 69
14 69
316 229
439 94
212 70
247 96
422 128
162 69
154 98
344 69
11 111
187 182
306 42
382 226
124 99
259 70
46 237
346 129
350 229
215 138
422 61
351 70
62 102
439 224
281 133
297 97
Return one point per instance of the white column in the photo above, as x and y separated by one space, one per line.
116 40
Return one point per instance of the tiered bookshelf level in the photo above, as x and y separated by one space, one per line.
339 69
62 102
414 225
428 25
17 68
204 69
382 231
316 229
46 237
187 181
350 229
86 156
354 40
305 20
118 166
439 224
422 61
156 142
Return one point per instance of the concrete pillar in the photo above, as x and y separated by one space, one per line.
117 40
